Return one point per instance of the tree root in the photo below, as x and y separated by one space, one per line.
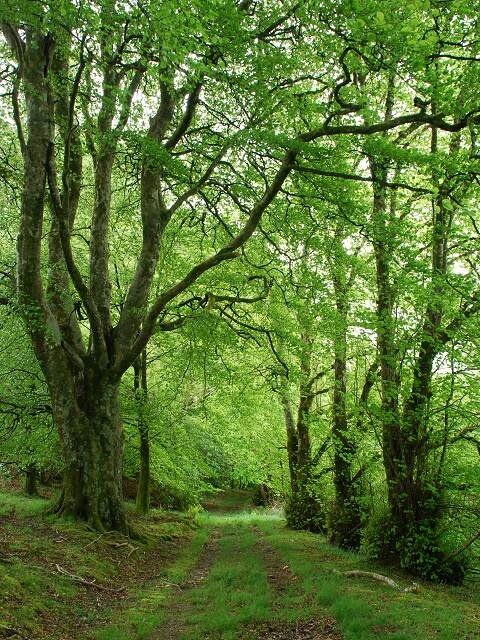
87 583
112 543
378 576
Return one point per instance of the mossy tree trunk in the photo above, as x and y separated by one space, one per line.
92 451
304 509
83 375
414 486
31 476
140 387
345 519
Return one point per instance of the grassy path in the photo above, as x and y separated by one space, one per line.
259 581
237 575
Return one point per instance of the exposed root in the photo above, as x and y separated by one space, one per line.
92 542
378 576
87 583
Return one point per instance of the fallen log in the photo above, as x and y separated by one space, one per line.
380 578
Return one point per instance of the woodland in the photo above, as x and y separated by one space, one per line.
239 269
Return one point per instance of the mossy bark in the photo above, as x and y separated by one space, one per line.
92 451
31 480
345 518
140 384
143 490
303 509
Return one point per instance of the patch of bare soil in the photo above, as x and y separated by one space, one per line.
179 606
383 629
281 578
324 629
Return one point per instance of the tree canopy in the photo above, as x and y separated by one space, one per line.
239 246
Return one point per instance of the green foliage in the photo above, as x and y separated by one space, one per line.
366 254
304 510
419 547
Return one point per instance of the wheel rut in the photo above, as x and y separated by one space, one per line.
285 621
281 580
179 605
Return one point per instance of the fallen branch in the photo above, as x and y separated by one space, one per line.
10 632
168 585
132 550
124 544
464 547
113 543
87 583
105 533
378 576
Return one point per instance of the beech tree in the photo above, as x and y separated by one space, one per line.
211 103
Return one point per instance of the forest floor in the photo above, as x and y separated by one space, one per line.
229 573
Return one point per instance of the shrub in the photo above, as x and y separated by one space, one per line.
304 510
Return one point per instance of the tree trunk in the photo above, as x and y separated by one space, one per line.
31 480
84 396
143 489
92 451
292 440
304 510
140 387
345 520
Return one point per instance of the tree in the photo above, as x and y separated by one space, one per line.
83 80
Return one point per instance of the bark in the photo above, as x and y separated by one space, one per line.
292 440
403 497
346 517
84 398
140 387
100 285
413 492
92 450
304 510
31 480
419 501
143 491
391 433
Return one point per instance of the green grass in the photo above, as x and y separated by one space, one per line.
21 504
236 592
43 604
234 597
234 500
367 610
146 609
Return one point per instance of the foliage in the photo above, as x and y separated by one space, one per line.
276 205
305 511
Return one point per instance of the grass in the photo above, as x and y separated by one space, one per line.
146 610
236 592
18 504
41 603
367 610
237 598
234 595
